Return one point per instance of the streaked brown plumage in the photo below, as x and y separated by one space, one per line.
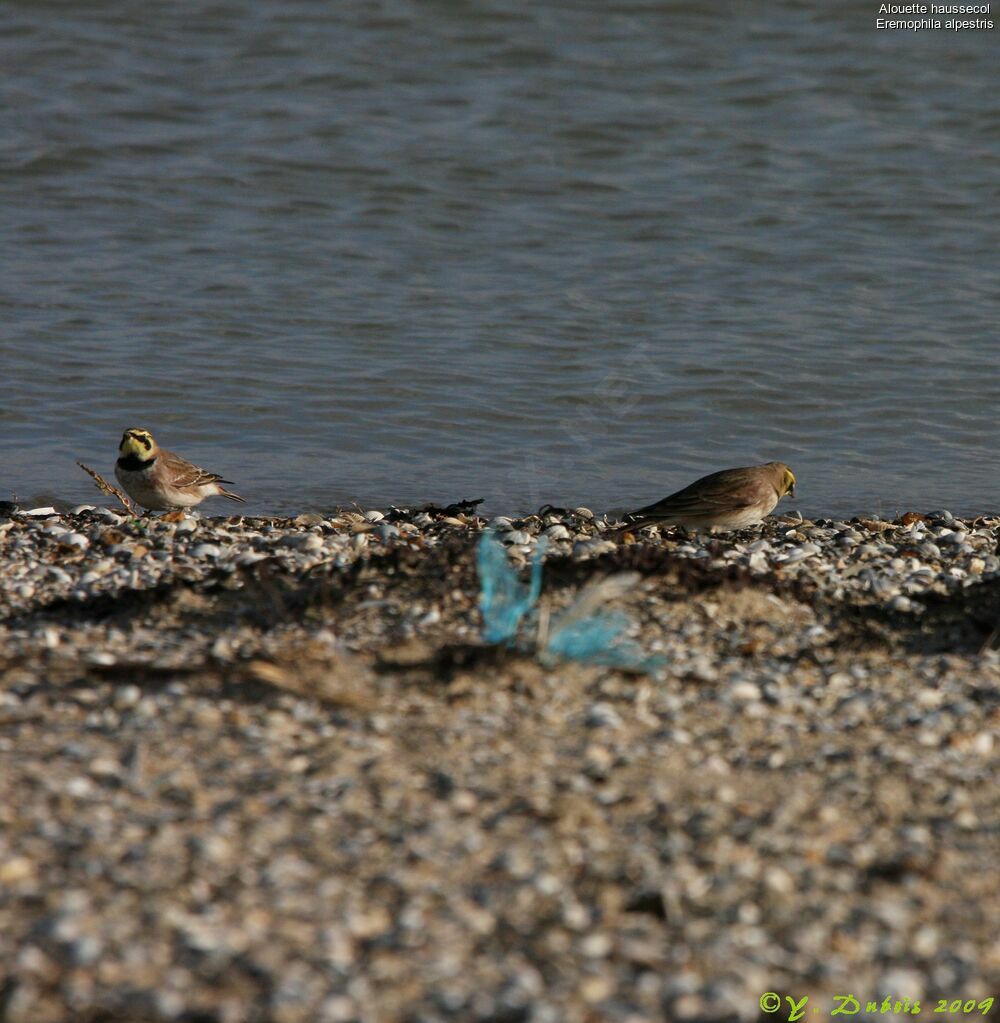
159 480
730 499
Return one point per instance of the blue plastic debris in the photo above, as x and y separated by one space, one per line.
599 639
503 599
583 632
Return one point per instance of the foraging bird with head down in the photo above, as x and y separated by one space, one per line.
160 480
730 499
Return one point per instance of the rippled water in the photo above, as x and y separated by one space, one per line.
569 252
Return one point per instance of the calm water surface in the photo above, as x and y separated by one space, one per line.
570 252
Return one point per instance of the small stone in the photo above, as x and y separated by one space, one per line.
307 542
516 536
758 562
370 924
596 988
596 946
599 761
602 715
701 669
105 767
249 557
432 617
901 983
801 553
745 692
982 744
79 787
591 548
127 696
17 870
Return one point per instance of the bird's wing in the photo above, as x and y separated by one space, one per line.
183 473
710 493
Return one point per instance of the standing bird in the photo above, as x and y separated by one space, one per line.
158 479
730 499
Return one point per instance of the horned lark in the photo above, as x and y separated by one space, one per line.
158 479
730 499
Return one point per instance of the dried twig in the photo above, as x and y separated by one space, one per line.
105 487
334 679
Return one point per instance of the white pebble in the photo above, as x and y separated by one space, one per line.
431 618
745 692
758 562
586 548
127 696
807 550
602 715
517 536
79 787
702 669
249 557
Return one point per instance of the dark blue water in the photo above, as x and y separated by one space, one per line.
576 252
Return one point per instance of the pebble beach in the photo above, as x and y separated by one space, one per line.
261 770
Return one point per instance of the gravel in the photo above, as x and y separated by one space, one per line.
265 770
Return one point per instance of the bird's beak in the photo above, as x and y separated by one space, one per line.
791 490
